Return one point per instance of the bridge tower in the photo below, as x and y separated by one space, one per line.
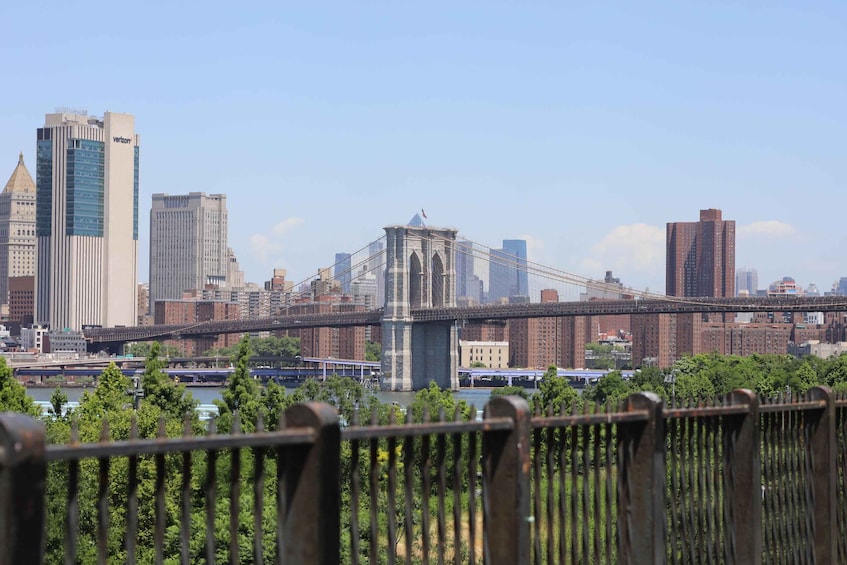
420 273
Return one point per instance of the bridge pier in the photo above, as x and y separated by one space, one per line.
420 273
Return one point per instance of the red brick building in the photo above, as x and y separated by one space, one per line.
21 297
341 343
192 311
700 257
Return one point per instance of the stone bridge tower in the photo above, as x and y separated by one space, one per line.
420 273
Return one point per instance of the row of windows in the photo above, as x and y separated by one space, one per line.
84 181
44 183
85 171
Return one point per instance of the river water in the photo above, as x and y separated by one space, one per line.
476 397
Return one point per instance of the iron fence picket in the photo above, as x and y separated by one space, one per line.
677 481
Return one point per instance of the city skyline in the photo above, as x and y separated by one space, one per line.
583 143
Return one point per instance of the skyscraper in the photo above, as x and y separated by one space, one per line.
86 220
701 256
467 283
507 276
746 280
17 228
342 271
376 265
188 244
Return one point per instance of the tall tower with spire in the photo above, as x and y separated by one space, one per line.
17 228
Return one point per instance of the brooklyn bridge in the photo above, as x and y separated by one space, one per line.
420 316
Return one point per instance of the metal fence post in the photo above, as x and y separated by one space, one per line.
311 524
822 453
641 483
23 471
743 480
506 466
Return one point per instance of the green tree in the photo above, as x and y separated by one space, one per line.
160 390
109 397
433 400
691 387
241 394
276 346
835 370
650 379
603 363
555 392
142 349
373 351
510 391
610 388
275 401
346 394
57 400
13 396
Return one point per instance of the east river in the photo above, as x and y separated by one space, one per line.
207 394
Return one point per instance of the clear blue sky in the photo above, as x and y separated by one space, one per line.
583 128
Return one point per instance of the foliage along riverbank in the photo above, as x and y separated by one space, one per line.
168 409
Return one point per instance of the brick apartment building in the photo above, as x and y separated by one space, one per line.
191 311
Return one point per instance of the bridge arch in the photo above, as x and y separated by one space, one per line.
416 281
438 295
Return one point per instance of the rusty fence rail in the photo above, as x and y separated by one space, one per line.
731 481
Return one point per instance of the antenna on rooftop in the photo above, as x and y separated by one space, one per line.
71 110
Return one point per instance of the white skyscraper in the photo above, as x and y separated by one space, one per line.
86 220
17 228
188 244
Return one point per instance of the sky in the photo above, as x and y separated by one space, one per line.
581 127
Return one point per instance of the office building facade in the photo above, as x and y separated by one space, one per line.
746 282
87 175
508 280
343 271
188 244
17 228
701 257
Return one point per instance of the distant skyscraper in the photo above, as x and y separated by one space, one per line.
467 283
188 244
701 256
87 220
376 265
746 279
507 275
17 228
342 272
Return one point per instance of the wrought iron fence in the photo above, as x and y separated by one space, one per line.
733 481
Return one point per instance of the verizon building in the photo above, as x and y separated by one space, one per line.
86 220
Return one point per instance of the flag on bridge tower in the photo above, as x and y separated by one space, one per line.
423 214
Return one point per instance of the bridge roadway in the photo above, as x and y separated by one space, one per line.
669 305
